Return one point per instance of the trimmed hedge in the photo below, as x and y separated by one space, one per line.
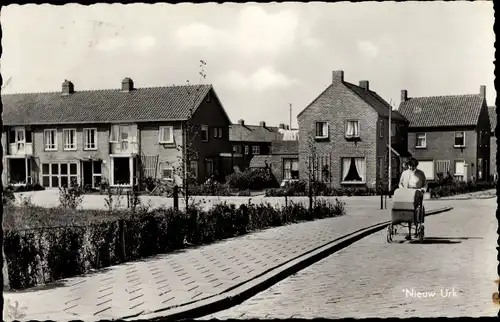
252 179
439 191
25 188
42 255
300 188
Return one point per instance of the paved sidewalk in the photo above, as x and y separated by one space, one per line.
367 279
191 275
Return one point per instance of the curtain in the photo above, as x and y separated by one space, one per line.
350 128
346 162
114 133
47 139
360 167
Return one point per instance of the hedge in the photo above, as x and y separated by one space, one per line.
456 188
41 255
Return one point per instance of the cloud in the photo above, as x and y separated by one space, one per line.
256 32
367 49
265 78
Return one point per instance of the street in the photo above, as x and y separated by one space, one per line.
452 274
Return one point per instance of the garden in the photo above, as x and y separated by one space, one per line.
43 245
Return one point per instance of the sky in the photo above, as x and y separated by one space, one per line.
260 58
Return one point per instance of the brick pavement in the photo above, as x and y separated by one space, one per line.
367 278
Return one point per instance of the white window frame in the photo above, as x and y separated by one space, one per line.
325 128
357 135
433 172
161 132
59 175
247 150
86 143
54 144
220 133
66 146
416 141
204 128
455 173
236 148
289 162
167 167
342 171
455 140
255 149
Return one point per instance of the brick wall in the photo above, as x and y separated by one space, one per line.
264 149
493 155
42 156
439 146
336 105
211 113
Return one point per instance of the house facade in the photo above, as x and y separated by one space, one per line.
252 140
283 159
493 141
449 134
118 136
343 136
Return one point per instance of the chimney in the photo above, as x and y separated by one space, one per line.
338 76
364 84
404 95
282 126
241 122
262 123
127 84
482 91
67 88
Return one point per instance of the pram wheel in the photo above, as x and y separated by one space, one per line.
421 233
389 233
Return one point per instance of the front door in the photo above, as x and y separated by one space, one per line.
87 173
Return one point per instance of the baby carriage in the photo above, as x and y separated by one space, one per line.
404 213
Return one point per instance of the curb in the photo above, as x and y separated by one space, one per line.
240 293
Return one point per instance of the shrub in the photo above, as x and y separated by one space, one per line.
445 190
252 179
321 190
72 196
80 243
8 196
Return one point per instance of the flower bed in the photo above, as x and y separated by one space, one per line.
72 242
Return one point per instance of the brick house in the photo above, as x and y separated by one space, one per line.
252 140
449 134
283 159
117 135
493 141
343 136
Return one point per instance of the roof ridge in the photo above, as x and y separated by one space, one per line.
442 96
106 89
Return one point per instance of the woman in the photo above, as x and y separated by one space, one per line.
414 178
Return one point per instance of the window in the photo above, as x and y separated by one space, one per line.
321 130
353 170
166 134
69 136
381 172
255 149
193 169
124 136
290 169
394 129
167 172
204 133
217 132
246 149
50 139
352 129
421 140
209 168
381 128
443 167
459 139
114 134
480 168
97 173
59 174
237 148
428 168
90 139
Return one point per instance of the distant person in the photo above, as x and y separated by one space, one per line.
414 178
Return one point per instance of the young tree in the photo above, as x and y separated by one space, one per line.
190 134
311 169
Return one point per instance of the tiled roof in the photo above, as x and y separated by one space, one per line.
492 111
439 111
104 106
259 161
253 133
377 102
284 147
